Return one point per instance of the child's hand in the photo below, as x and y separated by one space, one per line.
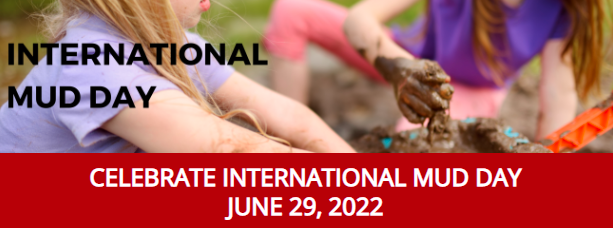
421 87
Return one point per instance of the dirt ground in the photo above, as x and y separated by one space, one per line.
353 105
520 111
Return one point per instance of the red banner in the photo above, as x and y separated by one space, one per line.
361 190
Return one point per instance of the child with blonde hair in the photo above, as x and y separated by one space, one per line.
185 111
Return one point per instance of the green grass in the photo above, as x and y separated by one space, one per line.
14 9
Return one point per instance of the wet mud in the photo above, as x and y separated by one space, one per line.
423 92
353 105
473 135
606 103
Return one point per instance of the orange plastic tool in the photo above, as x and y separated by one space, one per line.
583 129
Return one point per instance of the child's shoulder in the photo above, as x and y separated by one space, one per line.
88 28
194 38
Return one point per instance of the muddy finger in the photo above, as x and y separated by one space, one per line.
416 104
446 91
433 73
411 115
431 78
426 94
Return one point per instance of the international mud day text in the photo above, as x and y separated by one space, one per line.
323 178
90 53
306 205
70 97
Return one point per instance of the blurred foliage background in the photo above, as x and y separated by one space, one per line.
243 23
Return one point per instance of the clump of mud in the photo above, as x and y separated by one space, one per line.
473 135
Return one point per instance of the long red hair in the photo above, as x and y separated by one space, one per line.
585 40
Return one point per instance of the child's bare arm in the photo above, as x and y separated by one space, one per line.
174 123
409 77
282 117
364 28
557 94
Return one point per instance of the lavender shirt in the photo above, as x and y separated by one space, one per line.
448 37
77 129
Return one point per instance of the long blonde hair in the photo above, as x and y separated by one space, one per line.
144 22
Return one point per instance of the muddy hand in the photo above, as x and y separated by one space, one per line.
421 86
